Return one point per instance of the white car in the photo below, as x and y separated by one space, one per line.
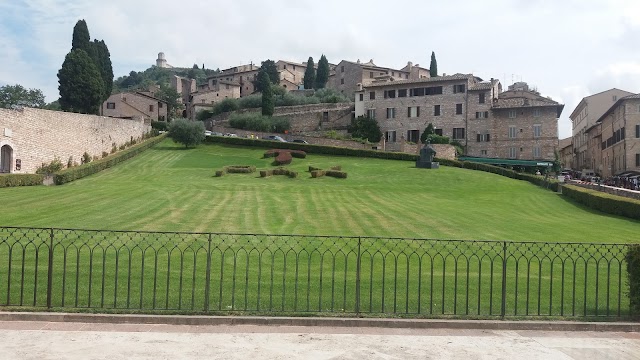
207 133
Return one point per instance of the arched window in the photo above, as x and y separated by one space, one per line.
6 156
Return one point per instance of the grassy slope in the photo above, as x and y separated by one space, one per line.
171 189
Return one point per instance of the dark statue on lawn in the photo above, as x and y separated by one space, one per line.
427 153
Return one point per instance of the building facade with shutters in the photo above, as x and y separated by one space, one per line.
620 137
487 122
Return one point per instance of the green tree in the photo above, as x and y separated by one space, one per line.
270 67
429 130
171 97
433 67
310 74
81 38
17 95
80 84
186 132
102 58
268 103
322 75
364 127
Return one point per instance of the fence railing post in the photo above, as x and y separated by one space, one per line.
504 280
50 270
207 285
358 257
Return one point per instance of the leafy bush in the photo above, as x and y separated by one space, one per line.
607 203
219 173
336 174
70 174
54 166
239 169
86 158
437 139
11 180
366 128
258 122
632 258
278 171
105 154
186 132
159 125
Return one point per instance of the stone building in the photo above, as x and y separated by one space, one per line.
135 104
583 117
243 75
565 153
514 124
184 87
348 75
206 99
161 61
620 137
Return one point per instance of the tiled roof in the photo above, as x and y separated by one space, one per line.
518 102
480 86
422 81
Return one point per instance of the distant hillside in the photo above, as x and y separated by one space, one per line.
159 76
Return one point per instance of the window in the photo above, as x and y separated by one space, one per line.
371 113
436 110
413 135
637 131
389 94
434 90
615 98
418 92
482 114
483 137
372 95
458 133
512 114
325 116
402 93
458 88
536 112
160 105
438 132
341 81
391 136
481 98
637 159
393 73
458 109
536 152
371 74
361 97
150 108
537 131
512 132
111 105
483 152
342 68
413 111
391 113
513 153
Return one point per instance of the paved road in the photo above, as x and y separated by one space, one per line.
65 340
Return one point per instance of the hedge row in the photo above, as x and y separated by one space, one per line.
278 171
11 180
633 268
607 203
551 184
331 173
313 168
70 174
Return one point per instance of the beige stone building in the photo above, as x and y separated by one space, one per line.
583 117
206 99
184 87
620 137
565 152
489 123
135 104
243 75
348 75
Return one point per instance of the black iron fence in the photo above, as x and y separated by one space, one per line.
285 274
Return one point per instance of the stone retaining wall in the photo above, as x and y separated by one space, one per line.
608 189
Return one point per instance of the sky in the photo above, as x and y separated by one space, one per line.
566 49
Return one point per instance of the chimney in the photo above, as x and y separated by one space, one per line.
409 65
358 62
359 86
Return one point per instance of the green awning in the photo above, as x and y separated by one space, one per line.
508 162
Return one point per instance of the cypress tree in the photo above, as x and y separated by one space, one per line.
80 84
322 75
433 67
268 103
310 74
81 38
102 59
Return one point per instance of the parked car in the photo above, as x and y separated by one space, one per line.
217 134
207 133
300 141
274 138
230 135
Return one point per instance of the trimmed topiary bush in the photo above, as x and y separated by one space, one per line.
219 173
336 174
278 171
11 180
607 203
284 156
240 169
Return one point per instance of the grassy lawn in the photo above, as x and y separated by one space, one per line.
171 189
168 188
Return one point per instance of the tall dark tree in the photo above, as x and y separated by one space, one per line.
81 38
270 67
429 130
433 67
364 127
102 58
80 84
268 102
322 75
310 74
16 95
